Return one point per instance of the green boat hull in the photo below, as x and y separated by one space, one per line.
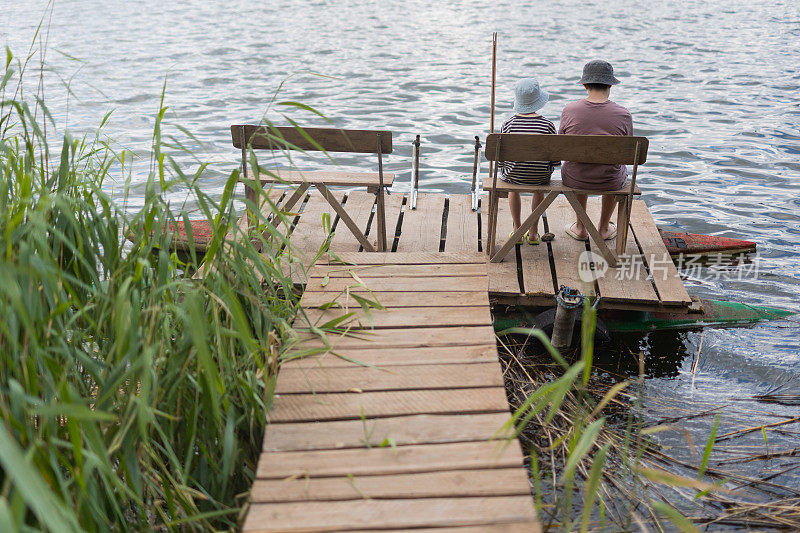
714 313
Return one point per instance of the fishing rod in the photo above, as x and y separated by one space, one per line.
492 215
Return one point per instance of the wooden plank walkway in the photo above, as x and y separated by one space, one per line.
397 426
529 275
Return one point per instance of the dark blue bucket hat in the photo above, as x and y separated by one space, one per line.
598 71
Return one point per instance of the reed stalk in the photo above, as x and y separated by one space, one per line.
133 394
596 466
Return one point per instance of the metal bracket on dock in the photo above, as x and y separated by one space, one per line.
414 173
476 185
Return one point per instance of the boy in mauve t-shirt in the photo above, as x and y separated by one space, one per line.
595 115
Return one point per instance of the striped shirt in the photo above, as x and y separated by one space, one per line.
528 172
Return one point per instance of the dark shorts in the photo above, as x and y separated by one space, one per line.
518 181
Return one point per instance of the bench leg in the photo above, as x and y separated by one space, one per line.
293 199
380 212
491 233
622 225
344 217
525 226
599 242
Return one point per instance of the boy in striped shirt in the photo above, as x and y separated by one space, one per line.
528 98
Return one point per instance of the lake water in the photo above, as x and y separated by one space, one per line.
714 85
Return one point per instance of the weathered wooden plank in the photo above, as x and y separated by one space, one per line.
410 317
405 271
443 484
388 460
399 299
334 178
566 250
401 284
603 149
403 430
359 206
461 233
404 258
389 377
670 288
628 282
400 356
406 513
328 139
421 229
355 406
393 338
502 276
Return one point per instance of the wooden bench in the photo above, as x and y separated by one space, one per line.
601 149
250 137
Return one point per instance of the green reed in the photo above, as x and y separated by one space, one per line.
133 394
595 467
597 473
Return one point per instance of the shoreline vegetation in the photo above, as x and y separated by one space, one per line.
596 466
132 395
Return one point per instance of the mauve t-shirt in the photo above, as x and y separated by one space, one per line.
594 118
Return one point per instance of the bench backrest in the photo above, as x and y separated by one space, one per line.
603 149
327 139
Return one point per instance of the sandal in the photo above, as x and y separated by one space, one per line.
613 233
571 233
521 239
532 240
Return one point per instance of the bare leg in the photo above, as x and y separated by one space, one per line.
607 209
538 197
578 227
515 204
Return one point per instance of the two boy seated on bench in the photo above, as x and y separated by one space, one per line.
594 115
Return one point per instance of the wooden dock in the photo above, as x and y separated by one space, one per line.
530 275
398 425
